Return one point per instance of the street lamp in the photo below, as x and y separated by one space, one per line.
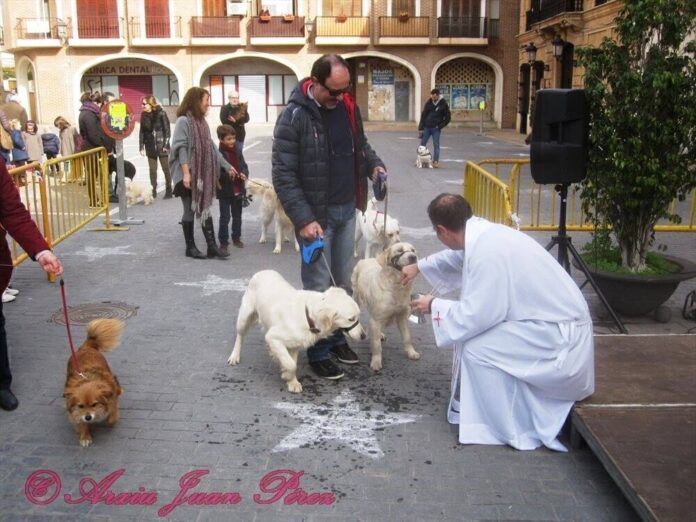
309 25
558 45
531 51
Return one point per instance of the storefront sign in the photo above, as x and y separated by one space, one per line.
134 68
382 76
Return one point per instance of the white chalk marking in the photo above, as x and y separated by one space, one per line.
214 285
93 253
342 421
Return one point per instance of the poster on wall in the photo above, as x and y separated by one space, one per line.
460 97
382 76
445 93
478 94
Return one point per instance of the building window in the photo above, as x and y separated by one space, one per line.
404 6
279 88
277 7
344 7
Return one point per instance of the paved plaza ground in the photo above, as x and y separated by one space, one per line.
373 446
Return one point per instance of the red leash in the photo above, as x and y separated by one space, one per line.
67 325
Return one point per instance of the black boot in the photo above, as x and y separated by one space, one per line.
209 233
191 250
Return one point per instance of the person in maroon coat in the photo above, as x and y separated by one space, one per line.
16 221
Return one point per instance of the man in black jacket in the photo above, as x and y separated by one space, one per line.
435 117
321 162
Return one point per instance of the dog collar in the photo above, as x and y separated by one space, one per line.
312 327
349 328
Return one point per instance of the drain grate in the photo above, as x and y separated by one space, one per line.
84 313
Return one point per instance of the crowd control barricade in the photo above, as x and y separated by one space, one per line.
535 207
63 195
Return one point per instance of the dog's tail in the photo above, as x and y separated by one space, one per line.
104 334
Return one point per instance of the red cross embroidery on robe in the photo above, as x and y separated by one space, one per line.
437 318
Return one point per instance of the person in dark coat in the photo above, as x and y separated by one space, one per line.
154 142
321 161
232 190
16 221
435 117
89 122
51 147
236 114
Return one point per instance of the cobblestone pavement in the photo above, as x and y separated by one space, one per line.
190 421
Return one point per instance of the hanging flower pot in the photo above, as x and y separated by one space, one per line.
341 18
288 18
403 17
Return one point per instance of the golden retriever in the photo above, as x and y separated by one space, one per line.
271 208
293 319
377 287
371 226
93 396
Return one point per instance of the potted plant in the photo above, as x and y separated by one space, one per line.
288 18
641 91
403 16
265 15
341 17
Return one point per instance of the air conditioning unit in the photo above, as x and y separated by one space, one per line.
237 8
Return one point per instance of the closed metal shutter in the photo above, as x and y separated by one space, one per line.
252 89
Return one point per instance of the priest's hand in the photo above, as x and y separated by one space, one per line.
408 273
421 304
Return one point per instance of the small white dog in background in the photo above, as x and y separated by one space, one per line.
424 160
136 192
371 226
377 287
270 209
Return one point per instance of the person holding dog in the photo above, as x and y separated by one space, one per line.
236 114
195 162
435 117
16 221
521 329
231 191
320 164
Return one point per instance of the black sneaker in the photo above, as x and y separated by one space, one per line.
326 369
7 400
344 354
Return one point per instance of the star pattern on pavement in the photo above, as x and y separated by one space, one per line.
343 421
214 284
94 253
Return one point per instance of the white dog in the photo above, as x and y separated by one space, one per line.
370 225
377 287
271 208
424 160
293 319
138 192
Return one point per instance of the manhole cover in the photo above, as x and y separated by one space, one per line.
84 313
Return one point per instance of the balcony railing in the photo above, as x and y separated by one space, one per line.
541 11
215 26
155 27
99 27
277 27
462 27
414 26
37 28
351 26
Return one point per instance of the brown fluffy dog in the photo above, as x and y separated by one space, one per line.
93 396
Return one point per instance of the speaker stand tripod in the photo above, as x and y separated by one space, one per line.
565 245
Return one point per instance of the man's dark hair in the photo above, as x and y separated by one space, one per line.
225 130
449 210
435 91
321 69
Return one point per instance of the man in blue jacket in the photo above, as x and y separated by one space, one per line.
321 162
435 117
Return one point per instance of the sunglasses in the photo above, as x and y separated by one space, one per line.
336 92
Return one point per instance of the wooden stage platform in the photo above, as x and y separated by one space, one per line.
641 421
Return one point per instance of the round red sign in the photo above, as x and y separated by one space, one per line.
117 119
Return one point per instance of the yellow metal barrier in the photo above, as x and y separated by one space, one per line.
63 195
536 207
488 196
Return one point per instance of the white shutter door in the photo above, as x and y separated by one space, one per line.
252 89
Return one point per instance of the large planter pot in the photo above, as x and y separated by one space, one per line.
635 295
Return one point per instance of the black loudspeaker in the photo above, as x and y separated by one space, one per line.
559 136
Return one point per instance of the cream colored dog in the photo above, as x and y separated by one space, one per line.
138 192
377 287
271 208
424 160
293 319
371 226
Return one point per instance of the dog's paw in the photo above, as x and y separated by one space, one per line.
294 386
263 240
413 355
85 443
276 250
233 359
376 364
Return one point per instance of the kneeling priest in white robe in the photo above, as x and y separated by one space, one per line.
521 330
